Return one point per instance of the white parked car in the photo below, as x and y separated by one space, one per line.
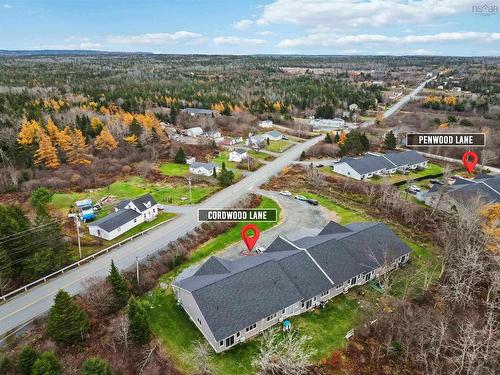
286 193
260 250
414 187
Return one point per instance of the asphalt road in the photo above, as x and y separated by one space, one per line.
35 302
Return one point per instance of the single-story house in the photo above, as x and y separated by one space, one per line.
273 135
194 132
214 134
327 124
237 155
231 301
266 124
485 188
200 112
257 140
370 164
190 160
128 214
203 169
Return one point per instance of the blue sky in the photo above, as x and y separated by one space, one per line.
397 27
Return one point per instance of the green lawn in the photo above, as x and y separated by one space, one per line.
224 157
174 169
261 155
134 187
432 169
278 146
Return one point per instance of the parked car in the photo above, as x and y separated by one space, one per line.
314 202
260 250
300 198
436 181
415 187
286 193
284 137
411 190
320 165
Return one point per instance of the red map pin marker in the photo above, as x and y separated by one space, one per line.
470 164
250 241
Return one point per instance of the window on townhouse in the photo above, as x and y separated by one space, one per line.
339 286
250 328
221 343
237 334
199 321
270 317
325 293
283 311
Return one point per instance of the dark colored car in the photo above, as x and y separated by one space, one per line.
314 202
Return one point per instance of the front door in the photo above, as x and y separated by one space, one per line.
230 341
308 304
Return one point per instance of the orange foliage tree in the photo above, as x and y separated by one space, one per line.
46 153
77 152
28 132
105 140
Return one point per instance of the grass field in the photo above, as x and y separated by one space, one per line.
261 155
174 169
134 187
326 328
279 146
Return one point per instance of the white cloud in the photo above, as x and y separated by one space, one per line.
71 46
242 24
7 6
331 39
265 33
235 41
155 38
355 13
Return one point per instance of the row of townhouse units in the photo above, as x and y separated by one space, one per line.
231 301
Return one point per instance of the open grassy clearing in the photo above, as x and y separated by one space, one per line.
261 155
174 169
134 187
431 170
278 146
326 327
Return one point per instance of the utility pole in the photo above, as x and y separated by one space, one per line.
77 223
137 269
190 195
248 162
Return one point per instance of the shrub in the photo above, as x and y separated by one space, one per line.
138 322
46 364
96 366
5 365
26 360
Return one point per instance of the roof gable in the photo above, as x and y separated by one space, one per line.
332 227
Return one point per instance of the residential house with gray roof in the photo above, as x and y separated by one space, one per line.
128 214
373 164
231 301
484 188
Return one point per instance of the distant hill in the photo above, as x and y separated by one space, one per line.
65 52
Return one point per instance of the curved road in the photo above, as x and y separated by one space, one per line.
35 302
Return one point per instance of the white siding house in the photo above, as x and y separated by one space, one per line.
203 169
238 155
194 132
127 215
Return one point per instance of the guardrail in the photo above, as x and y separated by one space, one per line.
44 279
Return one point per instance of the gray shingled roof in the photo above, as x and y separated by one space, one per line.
373 163
115 219
207 166
199 111
141 202
332 227
487 188
235 294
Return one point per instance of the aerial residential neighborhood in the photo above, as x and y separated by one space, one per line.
240 188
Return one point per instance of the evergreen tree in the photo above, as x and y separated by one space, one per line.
26 360
96 366
5 365
328 138
223 165
180 156
46 364
67 323
268 141
46 153
77 152
119 286
138 323
135 128
40 197
173 114
390 140
336 139
226 177
105 140
303 155
214 174
365 142
353 143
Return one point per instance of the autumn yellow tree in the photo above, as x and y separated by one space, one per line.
46 153
28 132
132 139
64 139
105 141
96 124
343 137
77 153
53 131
